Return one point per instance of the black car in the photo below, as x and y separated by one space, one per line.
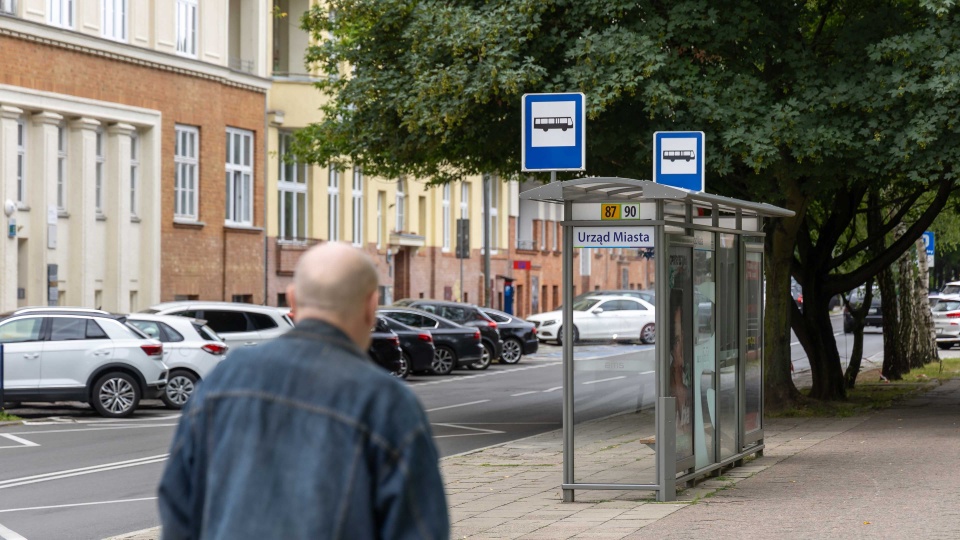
519 336
874 317
467 315
417 346
385 348
456 345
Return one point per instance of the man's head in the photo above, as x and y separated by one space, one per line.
337 283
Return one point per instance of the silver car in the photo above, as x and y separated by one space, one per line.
59 354
190 350
240 325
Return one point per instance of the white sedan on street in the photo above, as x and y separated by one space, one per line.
618 318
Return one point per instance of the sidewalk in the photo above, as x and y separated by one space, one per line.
891 474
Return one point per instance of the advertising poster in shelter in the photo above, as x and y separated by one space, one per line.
681 358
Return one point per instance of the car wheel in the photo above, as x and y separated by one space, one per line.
180 386
512 351
648 335
576 335
945 346
115 395
403 366
485 358
443 361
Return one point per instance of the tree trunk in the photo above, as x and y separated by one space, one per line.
906 330
828 382
856 354
779 390
894 359
926 336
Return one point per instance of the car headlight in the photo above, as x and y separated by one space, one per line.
549 323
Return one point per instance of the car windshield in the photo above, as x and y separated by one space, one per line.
585 304
149 311
951 289
947 305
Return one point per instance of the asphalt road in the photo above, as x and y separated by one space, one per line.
70 474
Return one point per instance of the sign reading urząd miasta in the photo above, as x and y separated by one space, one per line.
612 237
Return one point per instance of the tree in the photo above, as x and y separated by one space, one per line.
805 104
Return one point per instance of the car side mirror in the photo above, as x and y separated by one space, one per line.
597 311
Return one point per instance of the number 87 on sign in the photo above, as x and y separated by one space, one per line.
617 212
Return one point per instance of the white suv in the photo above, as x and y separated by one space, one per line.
240 325
59 354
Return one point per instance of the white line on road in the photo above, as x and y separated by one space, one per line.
76 504
648 372
553 389
86 429
7 534
524 393
57 475
460 405
14 438
487 374
606 380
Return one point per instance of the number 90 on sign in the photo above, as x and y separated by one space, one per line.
618 211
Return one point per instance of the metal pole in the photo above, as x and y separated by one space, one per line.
486 239
461 280
666 448
567 331
2 401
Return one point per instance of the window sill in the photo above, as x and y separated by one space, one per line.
182 223
23 207
101 217
241 228
135 219
61 213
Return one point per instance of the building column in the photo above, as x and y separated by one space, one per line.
81 213
42 200
9 117
117 210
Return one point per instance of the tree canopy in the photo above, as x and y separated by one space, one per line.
808 105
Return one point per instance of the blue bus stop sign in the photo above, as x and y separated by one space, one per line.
553 132
678 159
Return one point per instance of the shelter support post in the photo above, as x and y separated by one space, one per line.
667 449
567 331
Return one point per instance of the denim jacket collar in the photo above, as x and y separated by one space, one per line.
323 331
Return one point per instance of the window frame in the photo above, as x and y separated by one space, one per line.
292 181
400 202
445 204
186 14
55 13
333 204
21 161
100 160
184 194
8 7
381 199
357 206
134 174
238 172
114 19
63 154
493 219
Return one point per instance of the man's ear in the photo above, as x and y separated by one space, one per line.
292 301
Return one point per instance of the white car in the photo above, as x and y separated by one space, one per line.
946 320
601 317
190 350
64 354
240 325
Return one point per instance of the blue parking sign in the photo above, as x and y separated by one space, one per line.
553 131
928 243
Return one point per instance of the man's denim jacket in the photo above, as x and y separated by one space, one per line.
303 437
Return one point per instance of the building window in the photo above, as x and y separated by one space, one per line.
333 205
61 167
357 206
446 217
21 160
8 6
134 175
239 176
464 200
381 198
185 172
115 19
293 193
61 13
493 183
556 235
98 178
401 203
187 27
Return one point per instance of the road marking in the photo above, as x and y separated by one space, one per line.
14 438
487 374
553 389
7 534
459 426
606 380
524 393
76 504
460 405
86 429
57 475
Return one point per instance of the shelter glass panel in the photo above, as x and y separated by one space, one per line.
680 319
728 342
753 384
614 386
704 352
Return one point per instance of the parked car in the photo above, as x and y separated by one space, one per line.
519 336
601 317
240 325
385 348
874 317
467 315
946 320
455 345
80 355
416 345
648 295
190 350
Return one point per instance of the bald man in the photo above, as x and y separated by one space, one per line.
305 437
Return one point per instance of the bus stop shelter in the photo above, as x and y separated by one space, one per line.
692 404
